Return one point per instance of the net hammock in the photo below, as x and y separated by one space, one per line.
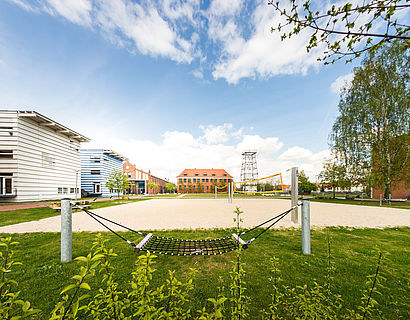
269 184
181 247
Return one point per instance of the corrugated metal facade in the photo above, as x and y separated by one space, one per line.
96 166
45 159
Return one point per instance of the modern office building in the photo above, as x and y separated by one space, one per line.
39 158
96 166
202 180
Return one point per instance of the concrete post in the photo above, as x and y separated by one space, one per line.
66 230
306 226
294 194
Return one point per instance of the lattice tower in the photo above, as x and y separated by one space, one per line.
249 170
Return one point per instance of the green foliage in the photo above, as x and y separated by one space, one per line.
117 181
371 133
335 174
11 307
170 187
152 185
170 300
305 185
346 29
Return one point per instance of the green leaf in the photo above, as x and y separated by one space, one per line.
69 287
85 285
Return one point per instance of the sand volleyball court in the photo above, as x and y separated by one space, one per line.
163 214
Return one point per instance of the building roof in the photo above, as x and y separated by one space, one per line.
47 122
109 152
201 172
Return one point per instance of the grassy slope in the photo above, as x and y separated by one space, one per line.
42 276
24 215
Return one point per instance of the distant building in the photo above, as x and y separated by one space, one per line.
139 180
399 190
201 180
39 158
96 166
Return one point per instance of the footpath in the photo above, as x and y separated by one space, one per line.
19 206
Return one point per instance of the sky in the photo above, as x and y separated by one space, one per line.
173 84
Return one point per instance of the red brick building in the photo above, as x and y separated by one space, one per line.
139 180
202 180
399 190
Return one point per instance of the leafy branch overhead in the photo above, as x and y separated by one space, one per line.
347 30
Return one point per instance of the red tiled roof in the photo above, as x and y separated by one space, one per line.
191 173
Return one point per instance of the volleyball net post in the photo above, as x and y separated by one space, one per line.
294 194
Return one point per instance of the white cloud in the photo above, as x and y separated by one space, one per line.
263 54
76 11
341 82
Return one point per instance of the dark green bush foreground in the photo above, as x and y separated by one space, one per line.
106 286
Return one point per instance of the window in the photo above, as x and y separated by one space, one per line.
185 174
224 174
97 187
180 180
184 179
196 174
60 190
6 186
207 187
203 180
47 160
194 187
189 180
213 174
193 180
65 190
72 190
205 174
180 187
207 180
95 172
6 154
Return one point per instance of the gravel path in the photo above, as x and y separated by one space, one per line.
206 213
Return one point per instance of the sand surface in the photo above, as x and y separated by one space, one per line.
162 214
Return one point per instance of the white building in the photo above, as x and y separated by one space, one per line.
39 158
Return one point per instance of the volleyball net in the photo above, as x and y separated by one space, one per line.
269 184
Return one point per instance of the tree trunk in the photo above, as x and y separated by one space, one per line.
334 193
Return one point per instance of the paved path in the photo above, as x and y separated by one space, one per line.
205 213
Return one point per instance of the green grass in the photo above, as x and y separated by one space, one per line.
370 203
33 214
42 276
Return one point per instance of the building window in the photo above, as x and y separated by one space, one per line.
207 187
193 180
196 174
213 174
207 180
60 190
203 180
224 174
95 171
97 187
185 174
47 160
189 180
184 179
65 190
205 174
6 154
180 180
6 186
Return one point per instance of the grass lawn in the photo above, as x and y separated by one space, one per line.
370 203
32 214
42 276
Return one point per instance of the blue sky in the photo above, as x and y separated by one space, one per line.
172 84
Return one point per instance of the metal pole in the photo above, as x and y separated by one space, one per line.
306 226
215 193
294 194
66 230
380 196
232 191
229 192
